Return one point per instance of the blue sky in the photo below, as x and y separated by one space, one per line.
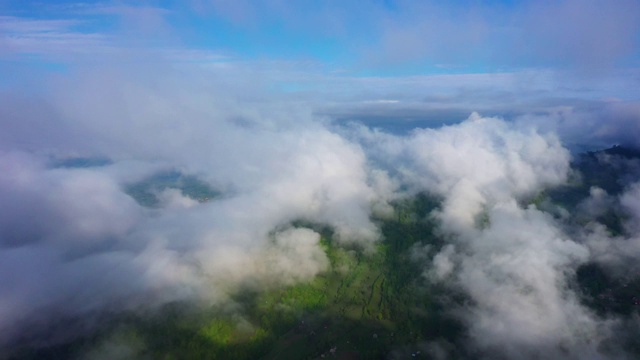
361 37
415 61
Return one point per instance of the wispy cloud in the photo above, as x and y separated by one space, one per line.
51 39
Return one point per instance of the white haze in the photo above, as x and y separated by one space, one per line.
74 244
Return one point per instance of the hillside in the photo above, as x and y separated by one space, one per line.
368 304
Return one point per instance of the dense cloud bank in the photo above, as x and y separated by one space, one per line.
517 261
75 244
513 260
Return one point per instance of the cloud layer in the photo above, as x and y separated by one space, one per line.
515 262
74 243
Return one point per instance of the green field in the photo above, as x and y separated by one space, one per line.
367 305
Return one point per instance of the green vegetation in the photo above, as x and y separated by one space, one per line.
607 295
366 305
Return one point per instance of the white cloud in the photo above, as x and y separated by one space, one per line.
475 164
516 264
618 253
517 271
75 244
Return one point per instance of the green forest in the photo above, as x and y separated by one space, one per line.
369 304
366 305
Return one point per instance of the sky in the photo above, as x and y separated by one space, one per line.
324 111
363 37
399 64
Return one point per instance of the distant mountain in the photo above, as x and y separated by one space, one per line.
618 150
